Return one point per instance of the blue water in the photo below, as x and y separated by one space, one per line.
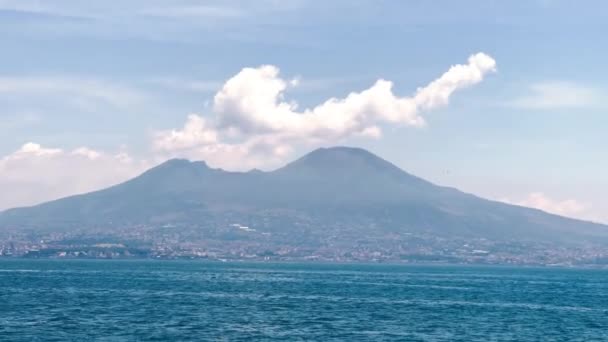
49 300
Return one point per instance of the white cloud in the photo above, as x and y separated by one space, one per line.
35 174
32 149
325 83
81 92
538 200
86 152
253 102
250 112
559 94
197 140
195 132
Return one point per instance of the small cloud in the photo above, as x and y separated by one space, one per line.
33 149
371 132
557 95
86 152
35 173
538 200
196 132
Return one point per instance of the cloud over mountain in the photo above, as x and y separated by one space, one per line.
565 207
250 112
35 173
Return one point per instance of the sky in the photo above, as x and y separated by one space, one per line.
502 99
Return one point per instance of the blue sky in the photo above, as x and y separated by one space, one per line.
91 93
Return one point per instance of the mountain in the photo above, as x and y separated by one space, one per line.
331 196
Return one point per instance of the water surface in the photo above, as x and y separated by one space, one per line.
48 300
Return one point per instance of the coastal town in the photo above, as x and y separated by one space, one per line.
238 242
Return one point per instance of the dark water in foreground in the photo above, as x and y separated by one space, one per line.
44 300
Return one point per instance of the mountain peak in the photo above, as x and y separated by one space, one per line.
341 159
334 155
173 171
176 161
336 151
174 165
181 162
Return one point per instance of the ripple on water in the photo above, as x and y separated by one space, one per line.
126 301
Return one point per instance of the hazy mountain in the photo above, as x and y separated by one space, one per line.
330 191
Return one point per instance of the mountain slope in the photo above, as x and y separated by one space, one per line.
335 191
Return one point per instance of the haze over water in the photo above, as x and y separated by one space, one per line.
192 300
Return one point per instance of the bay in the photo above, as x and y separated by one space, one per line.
149 300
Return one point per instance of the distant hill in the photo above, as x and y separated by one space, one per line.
328 193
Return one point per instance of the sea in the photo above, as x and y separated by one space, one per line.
151 300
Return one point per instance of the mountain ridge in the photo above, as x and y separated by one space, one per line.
328 187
